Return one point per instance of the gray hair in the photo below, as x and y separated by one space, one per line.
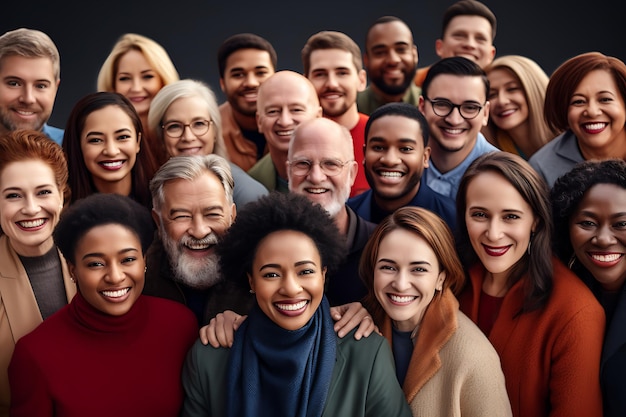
30 43
182 89
189 168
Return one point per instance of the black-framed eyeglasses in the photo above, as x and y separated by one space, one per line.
330 167
176 129
443 108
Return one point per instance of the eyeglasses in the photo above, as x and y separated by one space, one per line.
177 129
330 167
443 108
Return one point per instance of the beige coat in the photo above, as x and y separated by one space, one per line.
19 312
454 371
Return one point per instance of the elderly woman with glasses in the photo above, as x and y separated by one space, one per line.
184 116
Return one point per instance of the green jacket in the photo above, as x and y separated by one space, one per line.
364 382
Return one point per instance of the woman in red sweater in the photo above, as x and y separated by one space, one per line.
111 351
542 320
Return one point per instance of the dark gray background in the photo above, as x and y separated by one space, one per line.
548 31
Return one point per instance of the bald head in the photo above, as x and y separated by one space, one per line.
324 132
285 100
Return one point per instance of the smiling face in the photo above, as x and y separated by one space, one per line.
110 146
288 278
597 115
186 110
499 222
508 104
453 134
28 88
406 275
598 234
29 206
285 100
395 159
317 141
391 57
109 270
469 37
336 80
194 216
137 80
246 70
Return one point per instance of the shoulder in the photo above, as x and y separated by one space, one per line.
471 344
367 348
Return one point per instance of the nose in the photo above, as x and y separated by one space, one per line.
393 57
290 285
455 118
331 80
285 118
390 157
593 108
604 237
115 274
31 206
199 228
494 230
401 282
111 148
27 95
502 97
136 84
316 175
187 135
251 80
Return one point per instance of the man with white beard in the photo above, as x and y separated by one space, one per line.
193 208
321 167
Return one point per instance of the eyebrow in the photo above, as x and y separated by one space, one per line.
20 189
391 261
175 210
299 263
124 129
102 255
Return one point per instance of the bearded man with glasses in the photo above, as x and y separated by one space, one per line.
454 102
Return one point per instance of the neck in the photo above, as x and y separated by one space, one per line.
279 159
386 97
342 221
243 121
520 135
495 285
445 160
32 251
391 205
349 119
121 187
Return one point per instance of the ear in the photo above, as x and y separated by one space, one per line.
324 274
222 84
258 122
416 54
486 110
156 217
71 268
426 156
440 280
354 168
421 103
439 47
250 281
138 142
233 212
362 80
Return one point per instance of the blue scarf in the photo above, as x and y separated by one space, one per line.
277 372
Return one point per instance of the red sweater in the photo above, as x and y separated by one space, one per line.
550 357
358 140
81 362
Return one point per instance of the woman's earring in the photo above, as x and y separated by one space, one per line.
251 292
572 261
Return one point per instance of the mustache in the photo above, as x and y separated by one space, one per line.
210 239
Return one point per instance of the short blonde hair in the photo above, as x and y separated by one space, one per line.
154 53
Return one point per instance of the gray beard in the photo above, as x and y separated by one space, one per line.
199 274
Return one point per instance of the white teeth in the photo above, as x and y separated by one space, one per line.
31 223
595 126
26 113
197 246
113 164
606 258
291 307
454 131
115 294
316 190
285 133
402 299
390 174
